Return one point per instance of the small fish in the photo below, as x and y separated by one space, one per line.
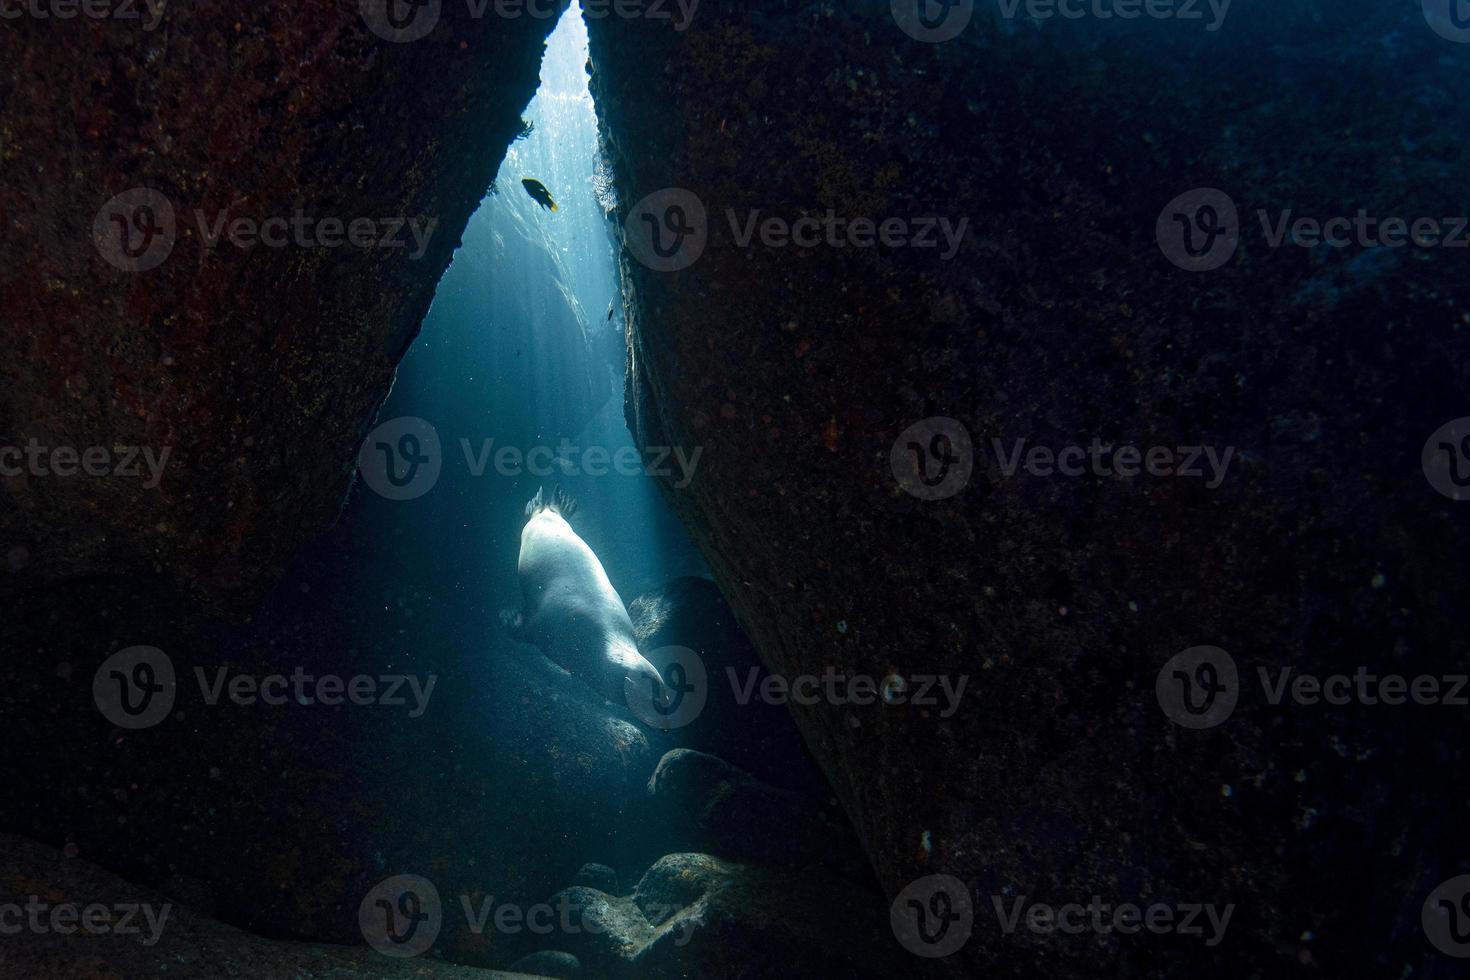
539 193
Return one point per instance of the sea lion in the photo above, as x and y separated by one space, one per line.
571 611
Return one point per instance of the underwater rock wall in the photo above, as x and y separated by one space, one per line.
153 934
1060 320
170 335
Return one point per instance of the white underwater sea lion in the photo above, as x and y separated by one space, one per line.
571 611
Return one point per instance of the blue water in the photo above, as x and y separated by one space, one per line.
519 348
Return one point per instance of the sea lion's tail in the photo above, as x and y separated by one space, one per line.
559 502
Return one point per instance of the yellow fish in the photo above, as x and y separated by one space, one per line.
539 193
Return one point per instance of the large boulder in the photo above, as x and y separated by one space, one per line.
859 403
734 723
258 368
697 802
694 915
549 963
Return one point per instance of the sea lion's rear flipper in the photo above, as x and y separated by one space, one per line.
564 503
560 502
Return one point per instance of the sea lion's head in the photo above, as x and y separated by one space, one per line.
639 685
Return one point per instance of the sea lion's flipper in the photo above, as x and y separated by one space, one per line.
564 503
560 502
